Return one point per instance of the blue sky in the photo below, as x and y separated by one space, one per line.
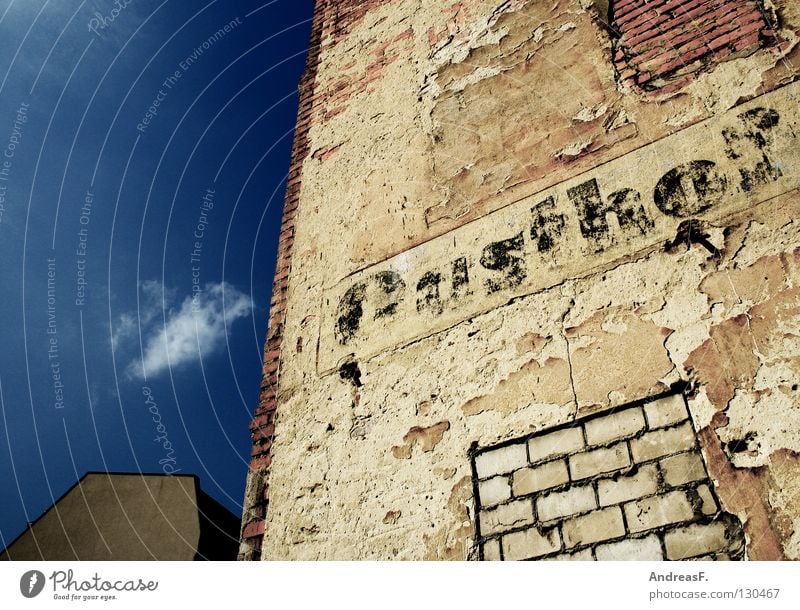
144 146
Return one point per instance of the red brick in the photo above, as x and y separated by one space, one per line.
403 35
664 42
253 529
270 367
263 433
678 43
261 447
695 18
260 462
260 420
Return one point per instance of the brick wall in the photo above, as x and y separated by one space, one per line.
262 428
629 484
662 44
332 21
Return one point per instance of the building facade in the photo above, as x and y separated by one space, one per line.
538 286
130 516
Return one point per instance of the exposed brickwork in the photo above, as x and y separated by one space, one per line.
262 427
343 16
330 100
662 44
632 485
333 20
456 17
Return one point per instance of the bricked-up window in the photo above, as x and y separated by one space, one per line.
626 484
662 44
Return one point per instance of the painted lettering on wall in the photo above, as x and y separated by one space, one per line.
707 172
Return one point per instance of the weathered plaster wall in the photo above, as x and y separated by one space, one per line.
426 116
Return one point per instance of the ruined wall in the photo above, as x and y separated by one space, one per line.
508 218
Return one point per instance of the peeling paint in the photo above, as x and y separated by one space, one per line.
434 146
426 438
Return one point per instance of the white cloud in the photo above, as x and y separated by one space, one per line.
198 328
124 330
154 299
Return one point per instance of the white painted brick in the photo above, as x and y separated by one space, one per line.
666 411
683 468
529 544
599 461
584 555
557 443
614 426
538 478
630 487
633 549
501 461
708 505
594 527
491 550
656 511
695 540
663 442
506 517
562 503
493 491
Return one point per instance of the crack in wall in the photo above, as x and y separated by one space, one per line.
569 355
